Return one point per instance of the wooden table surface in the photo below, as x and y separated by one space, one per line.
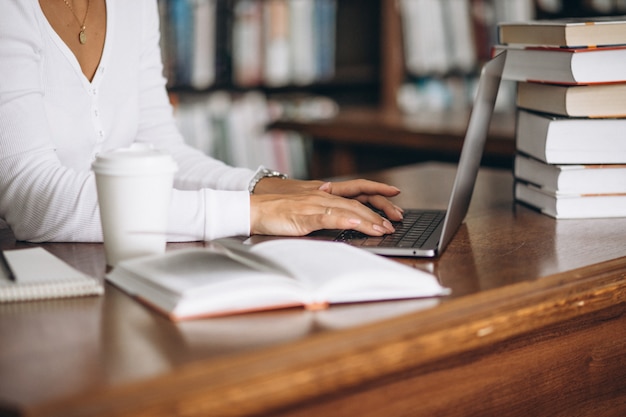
535 326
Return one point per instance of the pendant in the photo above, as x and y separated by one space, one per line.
82 37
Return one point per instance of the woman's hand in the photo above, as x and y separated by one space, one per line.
296 208
367 192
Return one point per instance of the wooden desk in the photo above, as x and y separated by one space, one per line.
536 326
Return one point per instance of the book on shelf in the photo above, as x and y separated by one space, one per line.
568 66
461 46
567 140
302 44
181 43
230 277
247 40
566 32
596 100
571 205
36 274
325 28
204 50
572 178
276 65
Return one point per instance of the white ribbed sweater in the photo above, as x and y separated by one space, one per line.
53 122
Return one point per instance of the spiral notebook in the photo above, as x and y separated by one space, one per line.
36 274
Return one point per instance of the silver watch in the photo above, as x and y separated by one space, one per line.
264 173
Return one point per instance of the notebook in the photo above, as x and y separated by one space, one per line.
430 231
36 274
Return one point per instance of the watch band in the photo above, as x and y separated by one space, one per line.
264 173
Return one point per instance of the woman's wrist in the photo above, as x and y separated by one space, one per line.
261 175
276 185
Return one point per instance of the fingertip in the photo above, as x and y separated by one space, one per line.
325 187
389 190
388 226
354 221
380 229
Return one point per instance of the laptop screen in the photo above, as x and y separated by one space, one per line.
473 145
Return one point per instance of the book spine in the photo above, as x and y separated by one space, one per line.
276 69
302 46
203 69
324 25
247 32
181 13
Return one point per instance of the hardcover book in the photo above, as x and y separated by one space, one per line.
597 100
572 178
568 66
569 32
230 277
570 205
247 43
566 140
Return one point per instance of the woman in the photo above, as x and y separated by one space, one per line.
78 77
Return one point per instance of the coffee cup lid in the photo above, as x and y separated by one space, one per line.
135 160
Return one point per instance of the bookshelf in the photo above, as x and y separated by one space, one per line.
355 78
370 130
364 138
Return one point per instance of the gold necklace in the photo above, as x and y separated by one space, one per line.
82 36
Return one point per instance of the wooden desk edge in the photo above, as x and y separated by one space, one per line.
332 362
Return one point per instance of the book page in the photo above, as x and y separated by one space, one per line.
199 281
337 272
190 271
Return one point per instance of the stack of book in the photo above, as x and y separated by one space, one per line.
571 109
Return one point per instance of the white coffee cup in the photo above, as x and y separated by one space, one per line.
134 190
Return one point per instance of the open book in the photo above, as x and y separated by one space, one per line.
230 277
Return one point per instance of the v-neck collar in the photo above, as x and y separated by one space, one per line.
67 52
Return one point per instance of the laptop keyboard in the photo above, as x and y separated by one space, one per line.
412 232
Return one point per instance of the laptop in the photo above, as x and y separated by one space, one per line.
427 232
